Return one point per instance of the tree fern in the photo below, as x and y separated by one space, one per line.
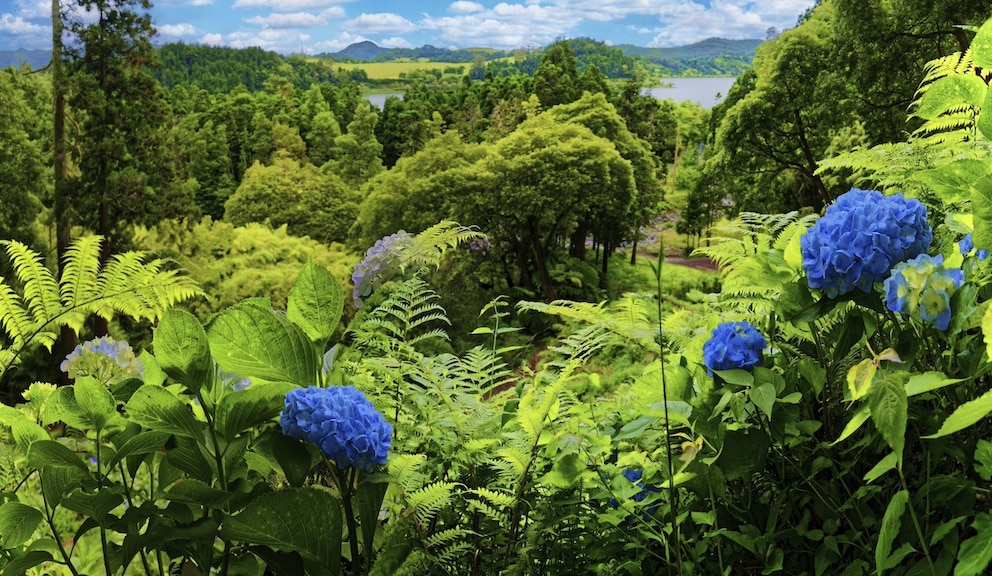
430 245
129 284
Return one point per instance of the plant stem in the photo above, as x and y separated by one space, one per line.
345 479
917 526
672 492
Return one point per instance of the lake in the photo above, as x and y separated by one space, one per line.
706 91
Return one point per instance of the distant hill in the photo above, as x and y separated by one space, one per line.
34 58
370 52
713 56
363 51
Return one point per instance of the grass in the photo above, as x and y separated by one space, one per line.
392 70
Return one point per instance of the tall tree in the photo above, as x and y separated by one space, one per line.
360 152
556 78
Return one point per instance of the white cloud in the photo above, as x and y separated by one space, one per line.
212 40
286 5
34 9
333 13
183 30
684 23
339 43
293 20
10 24
173 3
395 42
465 7
385 22
505 26
16 32
279 40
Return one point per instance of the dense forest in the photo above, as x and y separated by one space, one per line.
619 422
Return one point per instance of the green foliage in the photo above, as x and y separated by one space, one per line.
35 306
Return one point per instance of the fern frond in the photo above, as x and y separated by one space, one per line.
41 289
80 270
430 499
14 317
430 245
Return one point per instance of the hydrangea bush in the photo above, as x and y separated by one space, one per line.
924 286
105 359
733 345
342 422
861 236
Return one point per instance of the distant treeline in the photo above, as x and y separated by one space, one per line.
710 57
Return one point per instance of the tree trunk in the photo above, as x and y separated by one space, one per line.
547 288
67 338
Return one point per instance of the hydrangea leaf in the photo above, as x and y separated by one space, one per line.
52 453
17 524
763 397
981 205
889 411
927 382
159 409
143 443
315 303
182 350
96 401
981 46
950 92
274 520
252 340
240 411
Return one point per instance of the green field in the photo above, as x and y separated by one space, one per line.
392 70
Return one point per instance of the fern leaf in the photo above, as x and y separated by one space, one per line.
80 270
41 290
14 318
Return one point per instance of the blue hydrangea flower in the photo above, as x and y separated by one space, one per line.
733 345
105 359
966 245
860 237
340 421
380 264
634 476
923 285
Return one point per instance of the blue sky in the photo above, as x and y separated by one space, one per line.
315 26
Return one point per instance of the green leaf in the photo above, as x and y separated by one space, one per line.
304 520
952 181
293 457
950 92
369 495
57 480
889 411
763 397
883 466
981 46
743 452
240 411
52 453
860 416
182 350
315 303
983 459
96 506
736 376
96 401
984 123
860 378
251 340
967 414
981 206
17 524
22 564
987 330
26 432
196 491
976 552
927 382
891 523
143 443
160 410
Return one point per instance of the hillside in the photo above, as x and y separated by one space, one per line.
34 58
713 56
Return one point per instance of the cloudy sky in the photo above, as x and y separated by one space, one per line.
315 26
